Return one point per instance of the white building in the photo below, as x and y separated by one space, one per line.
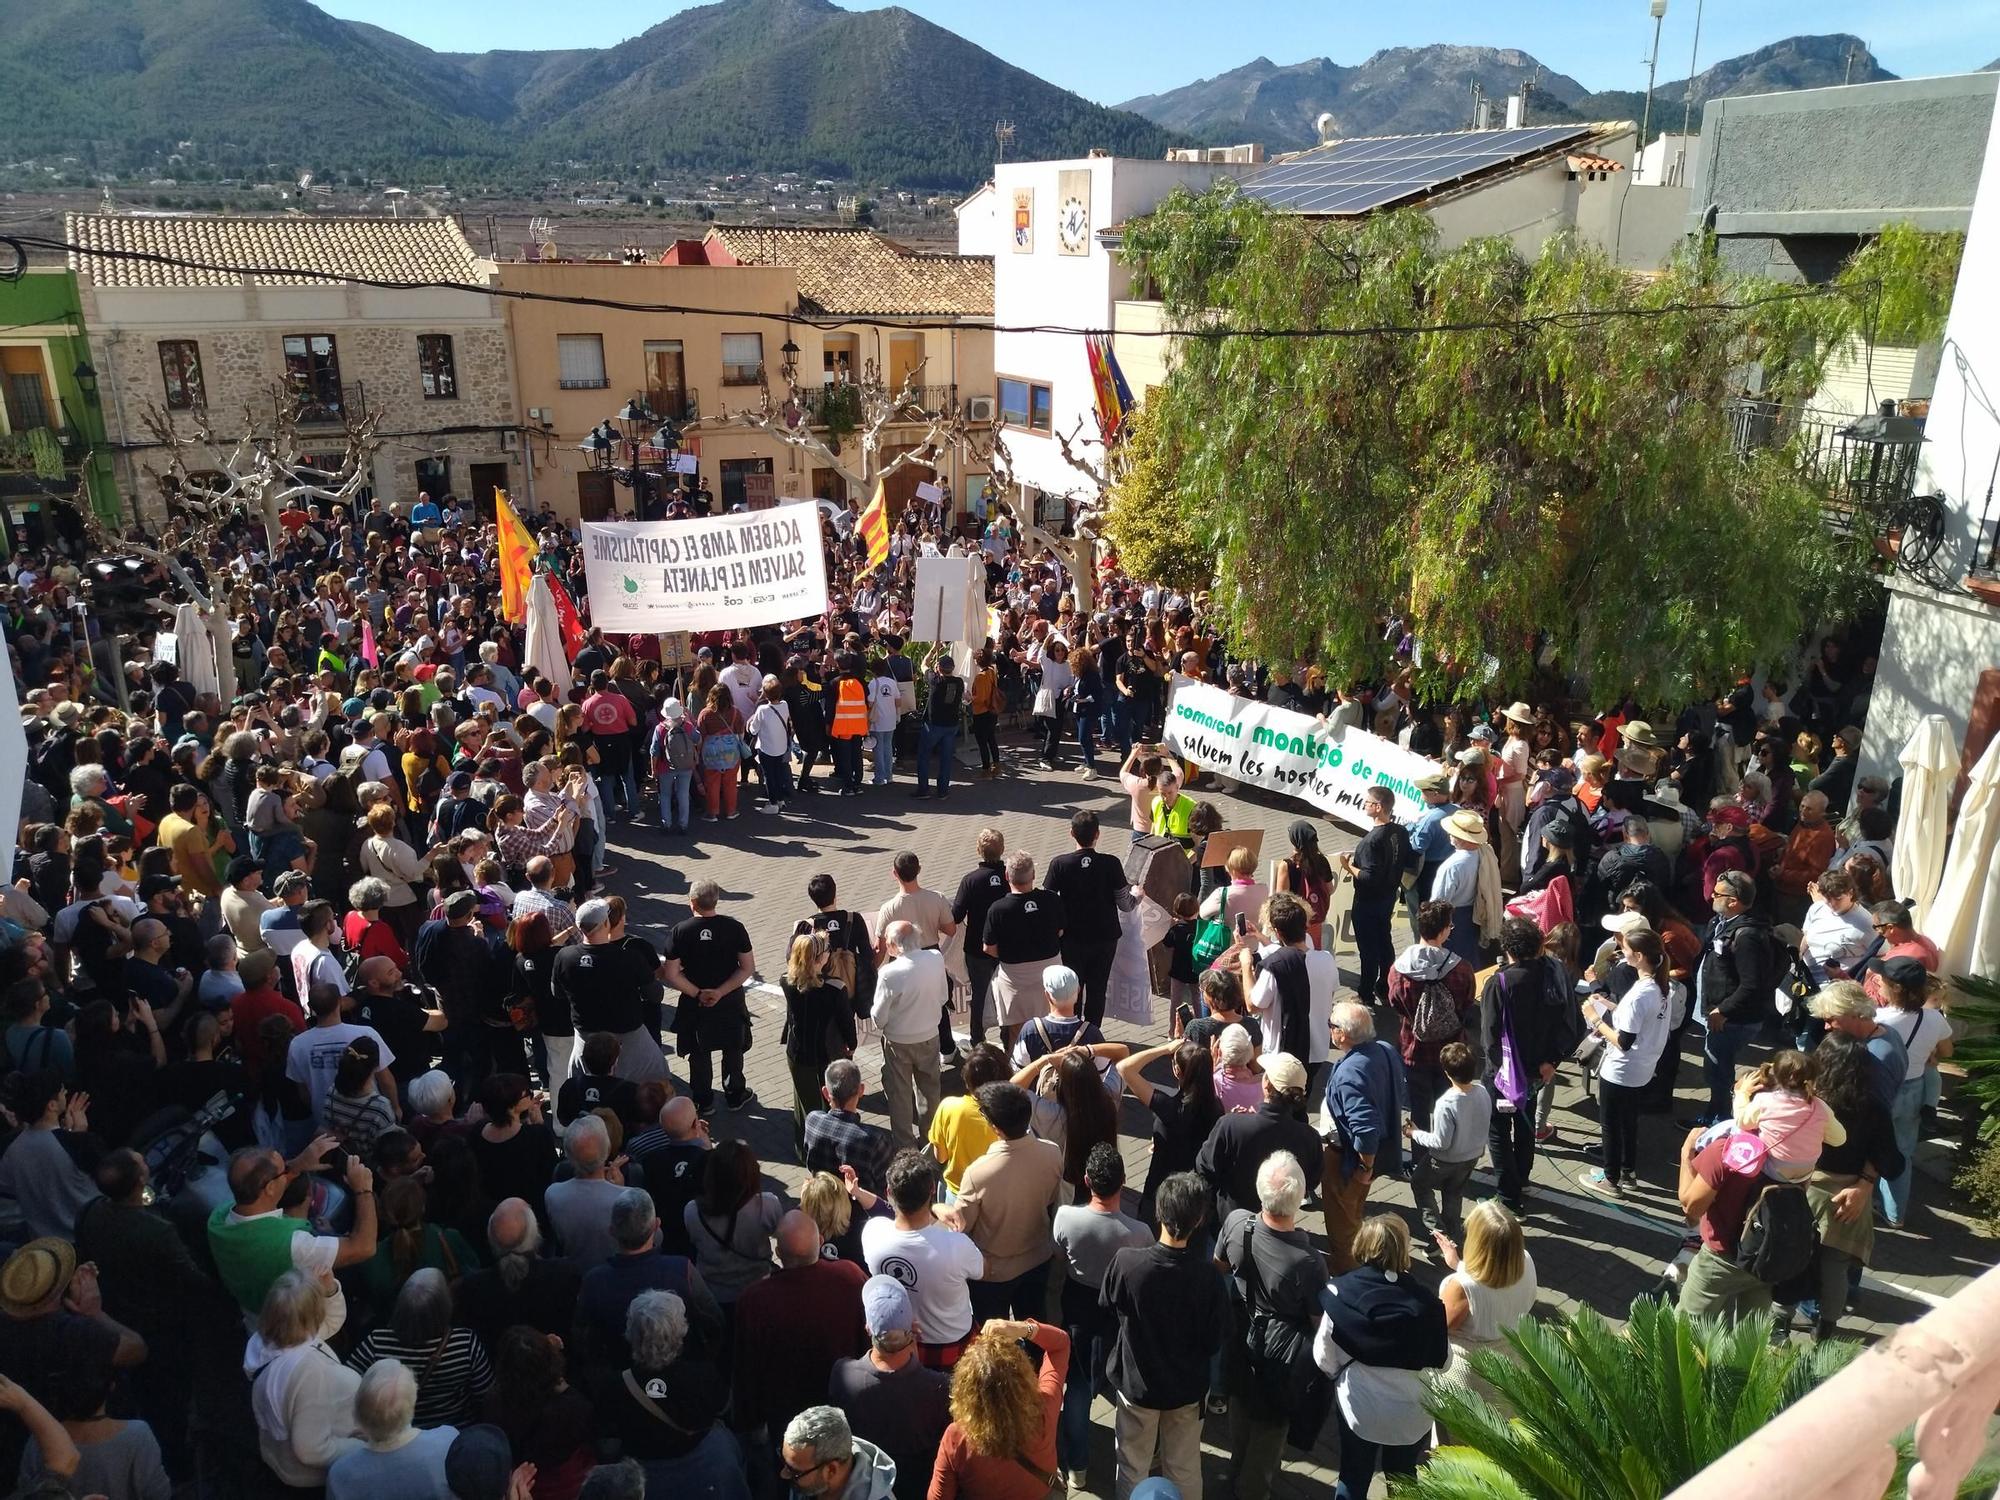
1941 647
1046 224
1664 161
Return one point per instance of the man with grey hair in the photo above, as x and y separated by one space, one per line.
888 1395
822 1456
910 993
1023 935
579 1209
398 1459
638 1265
1062 1026
609 982
838 1137
1278 1275
521 1285
709 961
1366 1098
811 1309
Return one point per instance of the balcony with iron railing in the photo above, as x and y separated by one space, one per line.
1866 467
1939 1375
326 404
841 399
49 452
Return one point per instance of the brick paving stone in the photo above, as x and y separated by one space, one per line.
1587 1252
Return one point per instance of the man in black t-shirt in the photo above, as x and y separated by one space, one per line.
402 1015
673 1168
944 698
1092 887
608 981
709 961
1023 933
982 885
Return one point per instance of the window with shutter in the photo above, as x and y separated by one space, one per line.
580 361
742 358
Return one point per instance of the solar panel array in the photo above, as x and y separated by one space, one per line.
1352 177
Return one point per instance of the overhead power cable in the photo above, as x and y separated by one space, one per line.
21 243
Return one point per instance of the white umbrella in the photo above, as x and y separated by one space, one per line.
1965 918
545 642
1930 766
196 650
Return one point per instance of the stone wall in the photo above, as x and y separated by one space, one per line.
242 366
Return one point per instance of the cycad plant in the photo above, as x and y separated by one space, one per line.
1975 1010
1600 1413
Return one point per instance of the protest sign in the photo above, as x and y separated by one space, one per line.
709 573
1268 747
949 601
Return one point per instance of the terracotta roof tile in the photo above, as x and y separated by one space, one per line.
397 250
857 272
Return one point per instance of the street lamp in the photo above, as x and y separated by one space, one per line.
1658 11
597 446
789 361
86 381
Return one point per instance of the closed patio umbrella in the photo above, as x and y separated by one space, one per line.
545 642
1930 766
1965 918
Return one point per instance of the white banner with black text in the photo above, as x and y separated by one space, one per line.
1286 752
708 573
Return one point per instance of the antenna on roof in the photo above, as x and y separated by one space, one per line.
1003 132
1528 87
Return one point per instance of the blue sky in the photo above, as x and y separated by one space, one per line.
1111 50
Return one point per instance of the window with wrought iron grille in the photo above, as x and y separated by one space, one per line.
180 372
437 367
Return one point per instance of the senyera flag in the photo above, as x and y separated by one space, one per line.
875 527
517 559
572 622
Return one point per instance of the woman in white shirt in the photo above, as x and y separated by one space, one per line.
1378 1332
1057 679
1634 1032
1491 1287
1926 1035
770 727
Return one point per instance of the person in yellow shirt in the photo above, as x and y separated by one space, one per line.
188 830
959 1132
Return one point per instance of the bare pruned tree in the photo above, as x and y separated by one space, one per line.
262 470
1075 549
799 420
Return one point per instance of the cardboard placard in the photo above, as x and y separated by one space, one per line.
1221 845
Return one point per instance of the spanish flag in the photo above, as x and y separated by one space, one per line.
875 527
517 559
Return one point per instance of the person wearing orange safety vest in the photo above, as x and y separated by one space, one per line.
848 699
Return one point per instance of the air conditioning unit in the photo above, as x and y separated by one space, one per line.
978 408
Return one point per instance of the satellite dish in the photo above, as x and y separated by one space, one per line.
548 249
1323 126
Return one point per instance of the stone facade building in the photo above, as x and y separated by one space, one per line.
238 316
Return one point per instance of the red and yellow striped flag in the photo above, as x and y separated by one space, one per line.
517 559
875 527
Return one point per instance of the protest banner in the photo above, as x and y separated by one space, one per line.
709 573
1268 747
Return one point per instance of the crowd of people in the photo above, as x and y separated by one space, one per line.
346 1152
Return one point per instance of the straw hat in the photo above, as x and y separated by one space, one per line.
34 1273
1639 732
1466 825
1518 713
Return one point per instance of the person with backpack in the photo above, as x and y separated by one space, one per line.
1431 989
1307 874
1523 1027
676 755
1274 1287
944 699
1755 1232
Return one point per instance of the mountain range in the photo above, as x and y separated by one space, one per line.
1410 90
744 85
265 89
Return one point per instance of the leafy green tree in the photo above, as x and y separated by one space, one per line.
1603 1413
1551 474
1142 520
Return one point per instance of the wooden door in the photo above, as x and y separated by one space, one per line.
901 486
594 497
487 480
829 484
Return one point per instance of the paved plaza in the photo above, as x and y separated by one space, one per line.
1586 1250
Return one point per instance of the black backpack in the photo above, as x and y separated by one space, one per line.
1779 1236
